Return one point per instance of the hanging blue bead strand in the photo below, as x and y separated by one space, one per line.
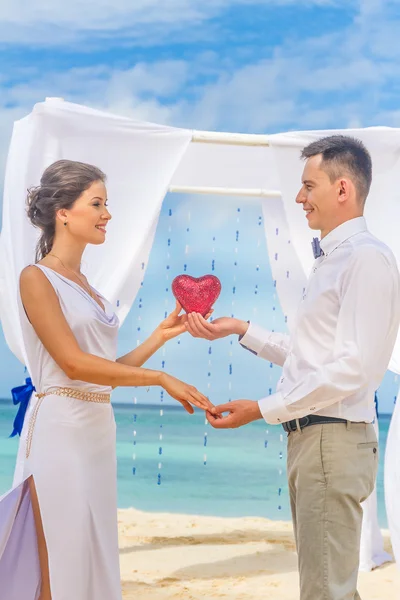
236 249
187 246
266 438
134 452
274 301
163 361
257 233
209 366
138 342
134 438
209 394
140 306
160 439
234 290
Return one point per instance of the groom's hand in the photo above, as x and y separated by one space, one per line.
199 327
174 324
240 412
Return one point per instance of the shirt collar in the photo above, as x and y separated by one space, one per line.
342 233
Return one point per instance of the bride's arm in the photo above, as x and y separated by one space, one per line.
138 356
45 314
171 327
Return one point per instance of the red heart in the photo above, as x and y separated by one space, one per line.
196 294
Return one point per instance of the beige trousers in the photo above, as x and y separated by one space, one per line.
331 469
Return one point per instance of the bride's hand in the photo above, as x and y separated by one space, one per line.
174 324
186 394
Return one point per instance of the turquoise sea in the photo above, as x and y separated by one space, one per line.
162 453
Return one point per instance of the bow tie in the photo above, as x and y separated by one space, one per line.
317 250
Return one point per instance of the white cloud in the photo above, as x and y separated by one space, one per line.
335 79
109 13
56 22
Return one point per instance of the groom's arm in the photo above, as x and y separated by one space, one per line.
269 345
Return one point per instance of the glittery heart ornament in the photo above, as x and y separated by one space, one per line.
196 294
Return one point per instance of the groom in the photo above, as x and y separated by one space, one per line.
333 362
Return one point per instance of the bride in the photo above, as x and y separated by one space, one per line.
58 529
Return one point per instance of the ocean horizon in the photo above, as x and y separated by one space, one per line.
173 462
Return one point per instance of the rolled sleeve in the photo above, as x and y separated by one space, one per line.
255 338
266 344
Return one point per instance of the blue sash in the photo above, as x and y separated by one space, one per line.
21 395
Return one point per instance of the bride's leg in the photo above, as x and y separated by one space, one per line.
45 593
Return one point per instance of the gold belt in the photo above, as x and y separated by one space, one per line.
66 392
74 393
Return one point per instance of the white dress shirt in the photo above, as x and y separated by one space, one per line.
344 334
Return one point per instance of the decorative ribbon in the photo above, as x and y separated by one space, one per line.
21 395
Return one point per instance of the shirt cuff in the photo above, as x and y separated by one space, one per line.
255 338
274 410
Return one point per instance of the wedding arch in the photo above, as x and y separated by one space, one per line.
144 161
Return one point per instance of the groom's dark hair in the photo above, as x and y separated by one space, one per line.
343 155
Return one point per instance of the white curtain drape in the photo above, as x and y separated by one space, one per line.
139 160
287 270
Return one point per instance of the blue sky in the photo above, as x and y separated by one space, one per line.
236 65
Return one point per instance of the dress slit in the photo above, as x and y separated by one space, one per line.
41 541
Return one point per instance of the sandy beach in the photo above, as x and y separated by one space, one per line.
192 558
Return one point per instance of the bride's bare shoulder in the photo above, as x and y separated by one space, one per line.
32 279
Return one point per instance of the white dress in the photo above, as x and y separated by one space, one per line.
72 458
